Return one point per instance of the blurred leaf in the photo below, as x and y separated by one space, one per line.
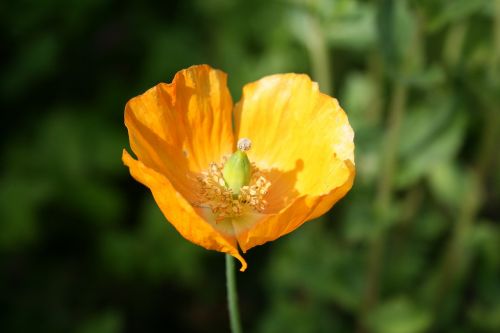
386 33
398 38
405 264
154 251
37 60
95 201
163 250
175 46
19 227
359 225
487 240
486 318
70 147
449 183
419 159
410 57
427 78
351 27
484 312
357 98
298 316
430 225
73 156
324 272
399 315
453 10
367 164
105 322
417 129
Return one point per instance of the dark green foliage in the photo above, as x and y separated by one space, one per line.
414 247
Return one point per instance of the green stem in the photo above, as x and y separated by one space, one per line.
456 259
495 61
383 200
318 52
454 44
374 113
232 295
456 255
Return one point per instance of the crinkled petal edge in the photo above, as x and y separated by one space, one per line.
180 213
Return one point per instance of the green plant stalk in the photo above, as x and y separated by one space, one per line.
232 296
455 257
491 134
495 61
374 64
411 206
491 131
454 44
384 198
318 53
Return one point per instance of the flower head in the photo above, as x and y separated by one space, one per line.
289 158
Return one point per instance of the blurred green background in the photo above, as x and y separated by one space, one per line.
414 247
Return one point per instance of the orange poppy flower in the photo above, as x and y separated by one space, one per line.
301 155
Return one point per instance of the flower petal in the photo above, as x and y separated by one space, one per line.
330 199
177 129
180 213
257 230
303 139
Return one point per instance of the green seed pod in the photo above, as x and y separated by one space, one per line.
237 170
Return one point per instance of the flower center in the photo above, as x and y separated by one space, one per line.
235 186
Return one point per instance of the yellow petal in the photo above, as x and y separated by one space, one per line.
303 139
328 200
177 129
180 213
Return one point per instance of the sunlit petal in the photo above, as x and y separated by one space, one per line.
179 128
180 213
303 139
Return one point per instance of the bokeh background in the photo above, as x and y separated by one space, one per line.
414 247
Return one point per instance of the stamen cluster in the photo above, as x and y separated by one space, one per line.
222 201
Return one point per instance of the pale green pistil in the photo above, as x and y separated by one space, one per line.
238 170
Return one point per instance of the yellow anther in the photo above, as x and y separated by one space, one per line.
224 203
